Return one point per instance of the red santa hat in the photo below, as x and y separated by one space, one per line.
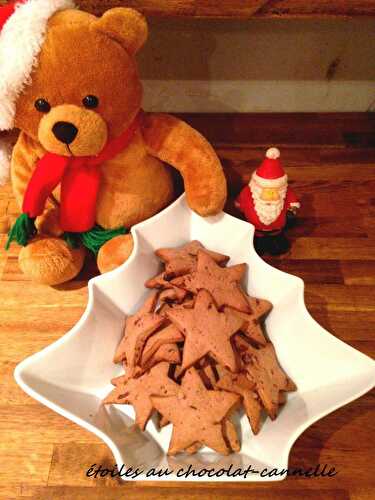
270 173
23 25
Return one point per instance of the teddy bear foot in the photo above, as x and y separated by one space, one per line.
115 252
50 261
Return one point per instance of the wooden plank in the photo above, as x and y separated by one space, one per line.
334 8
72 460
10 392
21 422
29 462
307 173
176 493
362 493
236 9
308 129
311 271
12 271
332 248
18 297
341 297
348 455
344 324
253 155
351 226
34 329
356 272
10 491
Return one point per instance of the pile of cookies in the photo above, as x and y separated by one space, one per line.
195 353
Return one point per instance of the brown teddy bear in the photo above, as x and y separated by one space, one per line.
88 163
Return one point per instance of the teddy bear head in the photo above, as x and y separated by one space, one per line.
84 89
69 81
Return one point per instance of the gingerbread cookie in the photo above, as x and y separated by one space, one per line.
240 384
259 307
166 352
139 391
196 414
207 368
252 327
172 295
159 282
206 331
168 335
222 283
187 303
137 330
182 260
263 368
230 435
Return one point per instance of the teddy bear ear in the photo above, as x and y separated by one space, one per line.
127 26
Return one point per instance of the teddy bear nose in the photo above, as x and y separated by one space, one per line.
65 132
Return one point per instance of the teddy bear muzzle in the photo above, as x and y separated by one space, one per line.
70 130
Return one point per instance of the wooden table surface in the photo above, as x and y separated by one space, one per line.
237 9
330 160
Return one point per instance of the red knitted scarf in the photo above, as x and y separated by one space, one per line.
79 178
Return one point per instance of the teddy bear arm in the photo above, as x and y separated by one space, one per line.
25 156
176 143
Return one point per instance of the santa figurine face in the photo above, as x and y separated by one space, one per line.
270 194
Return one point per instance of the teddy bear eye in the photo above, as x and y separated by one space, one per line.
42 105
90 101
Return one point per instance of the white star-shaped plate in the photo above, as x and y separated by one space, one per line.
73 375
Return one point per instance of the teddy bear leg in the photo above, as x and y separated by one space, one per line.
50 260
115 252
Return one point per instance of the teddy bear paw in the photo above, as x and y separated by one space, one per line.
50 261
115 252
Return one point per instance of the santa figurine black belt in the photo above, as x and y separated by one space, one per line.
263 233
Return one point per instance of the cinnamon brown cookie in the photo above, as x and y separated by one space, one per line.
206 331
196 414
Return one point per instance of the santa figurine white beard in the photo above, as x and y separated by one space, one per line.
268 210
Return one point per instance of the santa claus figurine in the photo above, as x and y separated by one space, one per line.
267 202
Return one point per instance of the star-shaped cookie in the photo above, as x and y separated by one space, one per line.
166 352
196 414
206 331
172 295
170 292
222 283
252 327
259 307
240 384
166 306
168 335
183 260
138 392
230 437
263 368
138 329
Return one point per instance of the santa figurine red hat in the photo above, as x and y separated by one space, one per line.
23 25
266 202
